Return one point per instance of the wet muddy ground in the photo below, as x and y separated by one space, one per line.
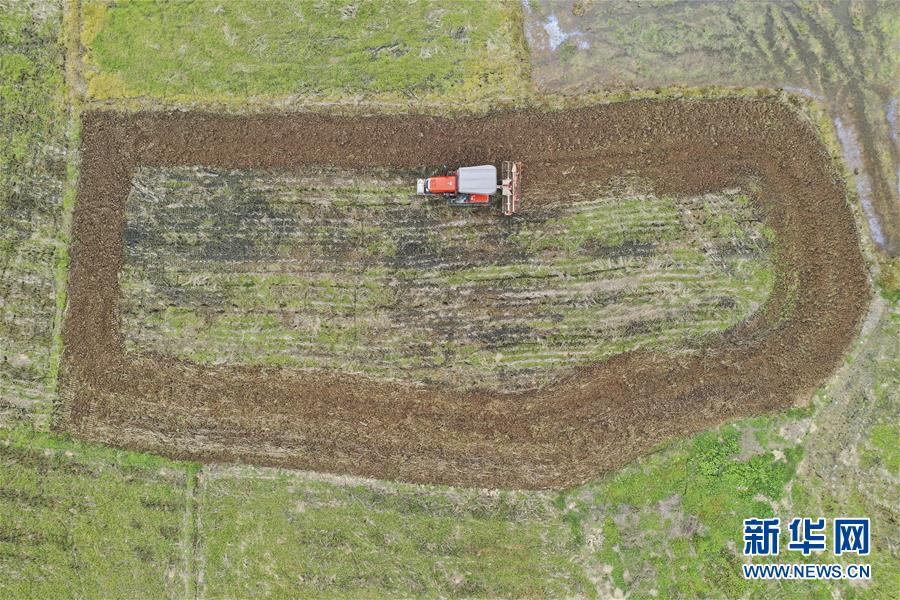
842 53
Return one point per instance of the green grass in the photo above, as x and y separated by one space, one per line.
245 49
62 258
889 281
883 449
302 537
33 172
674 514
83 521
628 220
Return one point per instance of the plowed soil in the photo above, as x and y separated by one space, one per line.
600 418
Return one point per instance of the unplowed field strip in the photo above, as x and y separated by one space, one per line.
257 269
599 418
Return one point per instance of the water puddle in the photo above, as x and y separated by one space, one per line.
556 36
853 156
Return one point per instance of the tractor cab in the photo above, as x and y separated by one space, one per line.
465 186
474 186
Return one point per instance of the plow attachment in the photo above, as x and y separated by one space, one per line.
511 186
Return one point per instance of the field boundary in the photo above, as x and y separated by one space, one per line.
599 419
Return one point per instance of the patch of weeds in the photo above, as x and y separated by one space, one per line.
242 49
308 537
671 522
610 223
884 449
723 224
33 173
77 519
889 280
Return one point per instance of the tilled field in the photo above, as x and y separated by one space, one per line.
597 417
349 271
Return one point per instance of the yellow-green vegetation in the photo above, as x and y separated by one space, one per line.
85 521
881 448
671 522
612 223
349 271
33 126
890 279
268 533
221 51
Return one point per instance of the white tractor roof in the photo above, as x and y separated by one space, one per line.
477 180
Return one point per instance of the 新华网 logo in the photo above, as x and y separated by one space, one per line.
807 536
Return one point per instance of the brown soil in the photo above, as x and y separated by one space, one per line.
600 418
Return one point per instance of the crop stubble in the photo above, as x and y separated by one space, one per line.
597 419
268 269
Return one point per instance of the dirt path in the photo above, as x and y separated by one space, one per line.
598 419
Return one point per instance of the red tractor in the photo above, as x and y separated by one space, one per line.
476 186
